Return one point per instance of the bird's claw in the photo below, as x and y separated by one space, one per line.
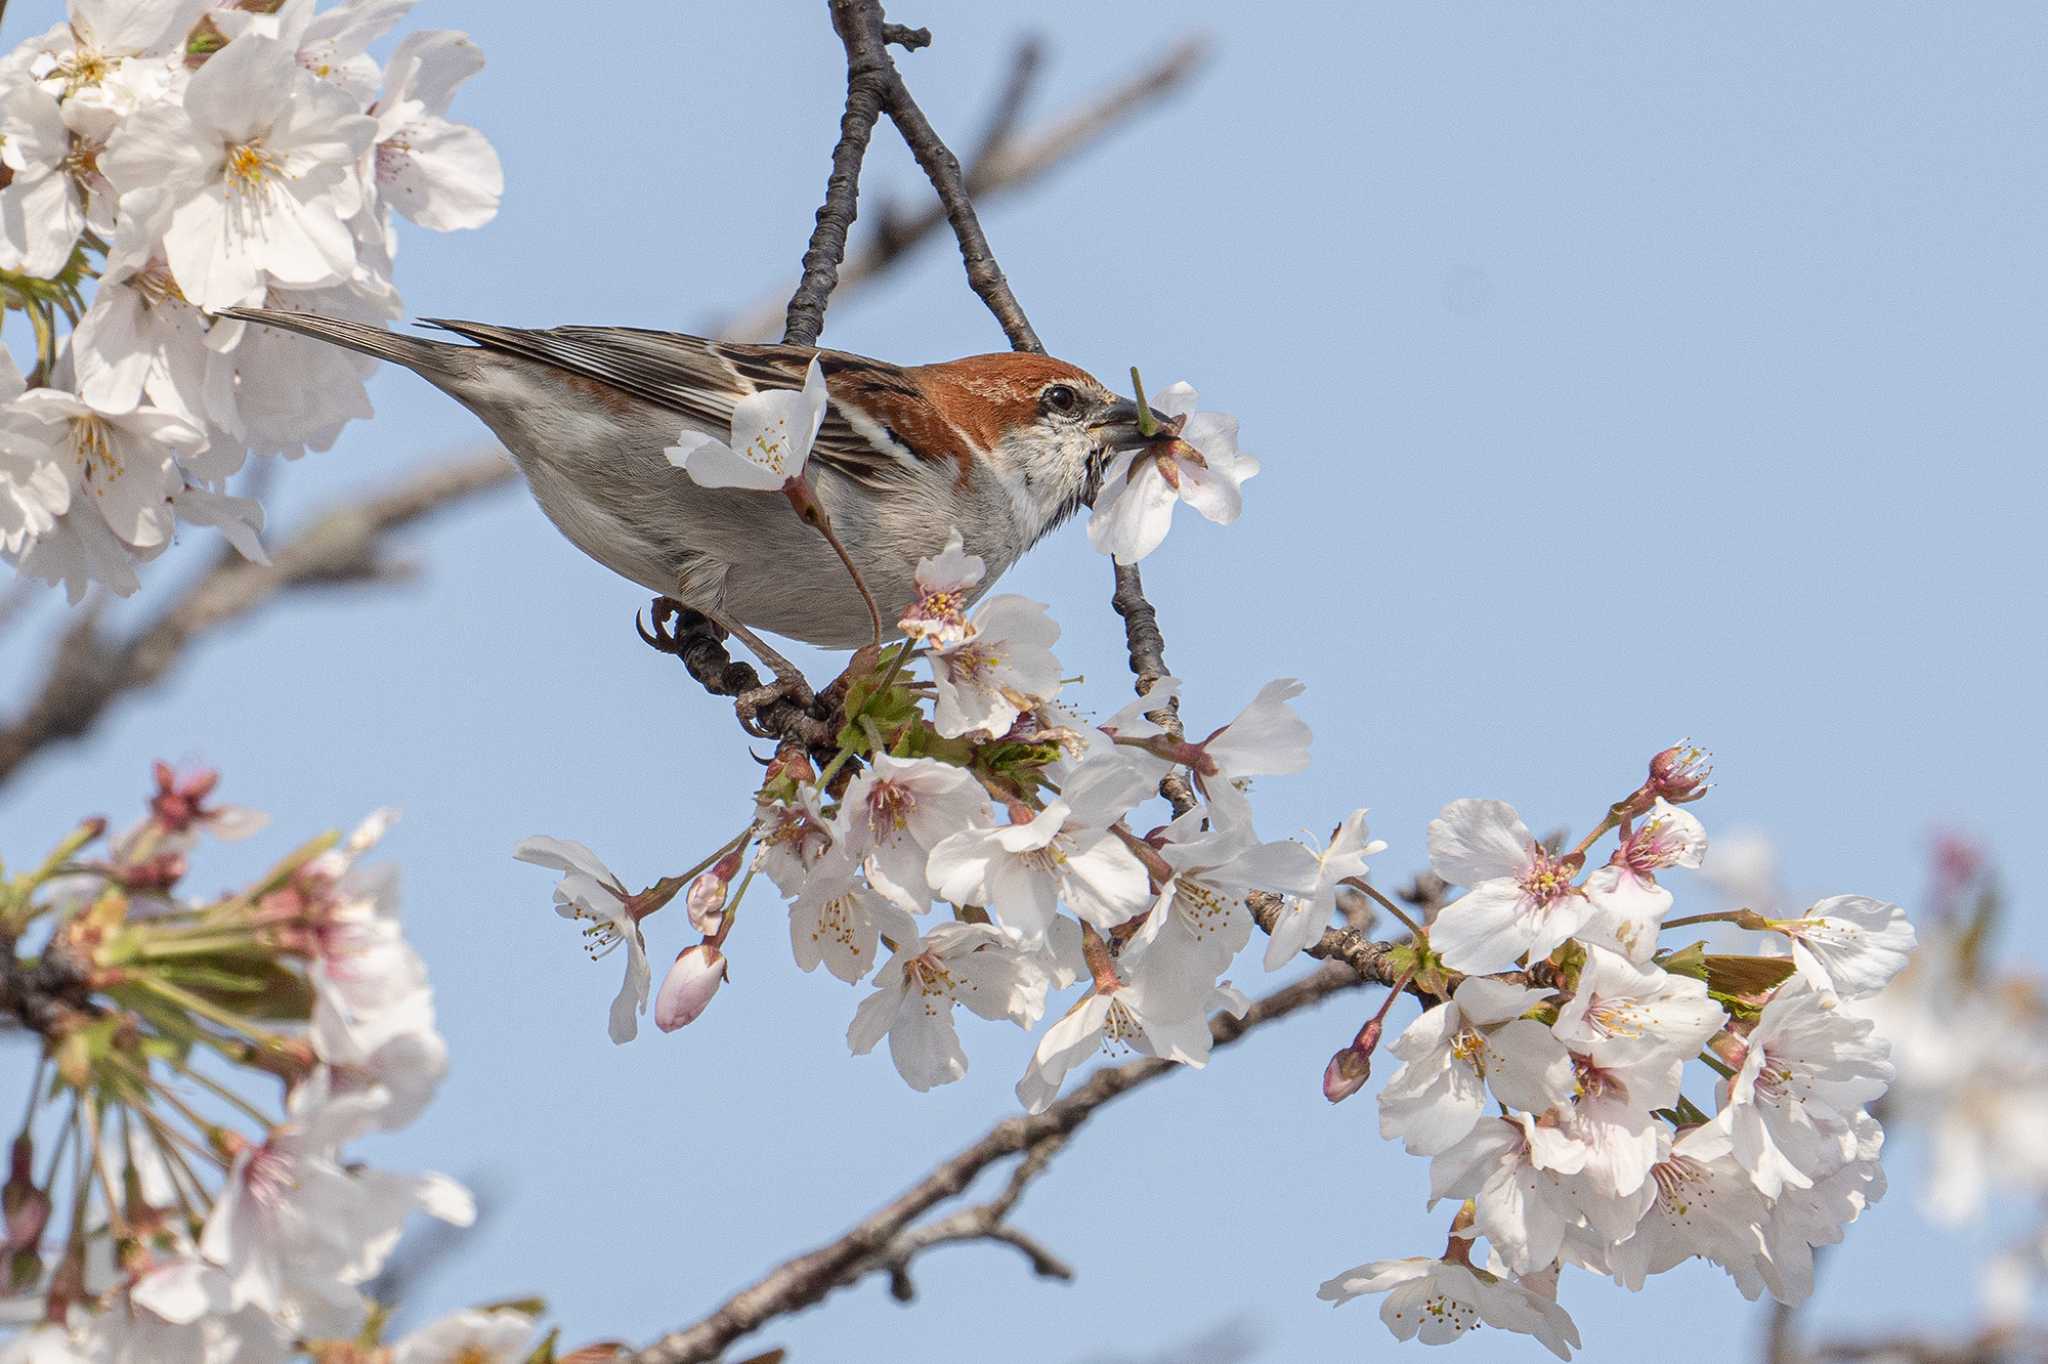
673 624
750 704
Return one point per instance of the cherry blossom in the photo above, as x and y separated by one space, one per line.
1451 1055
1440 1300
976 965
837 919
1518 898
1628 904
945 585
258 162
1304 917
1199 922
1267 739
1640 1020
1848 946
1513 1170
1144 1011
772 434
1805 1070
588 891
1003 668
896 811
688 988
473 1336
1201 466
440 174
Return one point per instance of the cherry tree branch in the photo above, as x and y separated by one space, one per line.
889 1236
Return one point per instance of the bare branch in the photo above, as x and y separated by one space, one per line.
807 1279
1012 164
1147 648
350 543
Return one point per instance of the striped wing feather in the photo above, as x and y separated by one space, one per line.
702 380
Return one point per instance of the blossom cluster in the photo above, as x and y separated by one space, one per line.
156 1206
978 791
1550 1096
172 158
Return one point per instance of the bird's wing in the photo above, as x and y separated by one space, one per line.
702 380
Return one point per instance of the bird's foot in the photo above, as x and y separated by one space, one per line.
673 626
788 687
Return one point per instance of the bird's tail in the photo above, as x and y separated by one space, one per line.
429 358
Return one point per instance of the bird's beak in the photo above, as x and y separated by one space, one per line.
1118 427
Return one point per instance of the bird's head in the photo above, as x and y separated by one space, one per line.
1046 429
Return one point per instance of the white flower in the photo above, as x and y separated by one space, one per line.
1304 917
1806 1070
1002 669
392 1052
1200 922
259 167
1802 1218
896 811
176 1310
333 45
294 1231
125 462
472 1336
104 37
141 338
837 920
772 434
440 174
1518 898
41 208
1628 904
1267 739
35 487
289 393
791 838
945 586
1455 1051
1440 1301
589 891
1849 946
1705 1205
972 964
1064 852
1511 1168
1143 1011
1640 1020
1202 467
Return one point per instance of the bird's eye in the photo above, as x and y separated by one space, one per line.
1060 398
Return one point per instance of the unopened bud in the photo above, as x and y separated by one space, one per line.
27 1207
1731 1050
687 989
1680 773
1346 1074
153 874
706 899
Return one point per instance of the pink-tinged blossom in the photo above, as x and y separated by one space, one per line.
945 587
589 893
438 173
790 839
472 1336
125 463
1514 1170
1440 1300
1065 852
1518 898
1639 1020
1201 466
838 919
1806 1070
1849 946
259 168
1628 904
1304 917
976 965
772 434
896 811
1456 1051
1704 1205
686 991
1200 921
1002 669
1143 1011
1267 739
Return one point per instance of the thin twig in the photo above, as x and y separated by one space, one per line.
1147 648
807 1279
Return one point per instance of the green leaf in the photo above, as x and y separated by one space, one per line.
1687 961
1750 977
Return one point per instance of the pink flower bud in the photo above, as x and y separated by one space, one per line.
687 989
1346 1074
705 900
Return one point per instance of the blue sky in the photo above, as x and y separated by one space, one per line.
1621 372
